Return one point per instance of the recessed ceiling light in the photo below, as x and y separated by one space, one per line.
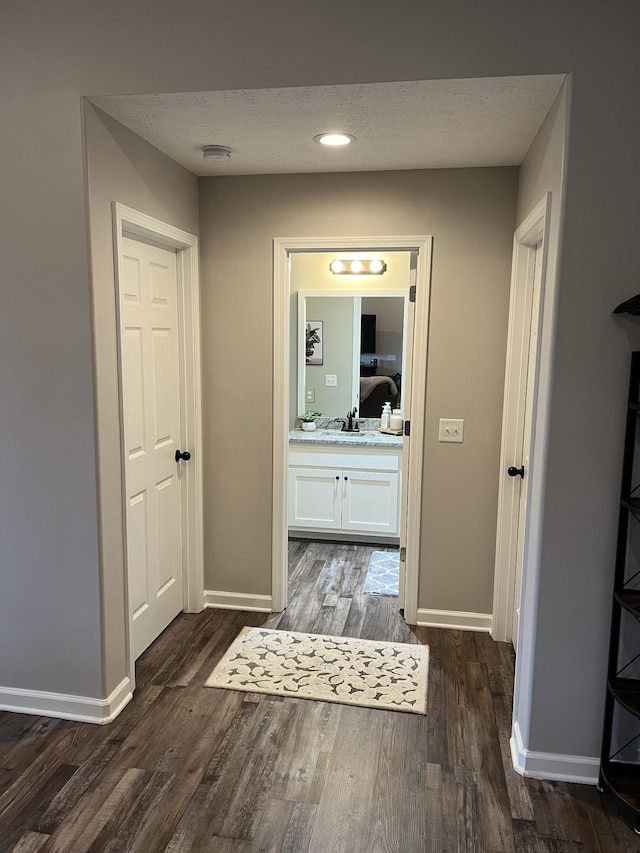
216 152
334 140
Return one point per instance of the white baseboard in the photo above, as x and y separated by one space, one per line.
84 709
458 620
550 766
237 601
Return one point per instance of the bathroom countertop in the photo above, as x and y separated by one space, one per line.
336 437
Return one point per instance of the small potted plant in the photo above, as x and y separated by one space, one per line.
308 419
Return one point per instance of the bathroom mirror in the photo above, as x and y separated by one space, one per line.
350 351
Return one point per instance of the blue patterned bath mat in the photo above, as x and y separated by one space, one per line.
383 574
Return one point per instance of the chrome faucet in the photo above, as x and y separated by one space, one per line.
350 424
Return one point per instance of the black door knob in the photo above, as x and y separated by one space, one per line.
184 455
516 472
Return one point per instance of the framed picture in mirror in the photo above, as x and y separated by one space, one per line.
314 342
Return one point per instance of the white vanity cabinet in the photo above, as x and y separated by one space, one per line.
344 489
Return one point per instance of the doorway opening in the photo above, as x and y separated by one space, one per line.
345 485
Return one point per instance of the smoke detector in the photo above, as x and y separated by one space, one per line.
216 152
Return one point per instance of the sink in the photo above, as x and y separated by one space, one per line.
336 433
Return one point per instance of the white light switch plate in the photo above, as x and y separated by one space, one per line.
331 380
310 396
451 429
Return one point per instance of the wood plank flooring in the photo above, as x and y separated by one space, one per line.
188 768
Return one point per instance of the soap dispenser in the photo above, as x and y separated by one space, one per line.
386 416
396 421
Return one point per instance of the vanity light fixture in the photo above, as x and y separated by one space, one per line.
375 266
334 140
216 152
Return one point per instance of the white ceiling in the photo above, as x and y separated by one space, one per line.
413 125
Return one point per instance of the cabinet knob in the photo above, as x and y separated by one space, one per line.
337 476
346 478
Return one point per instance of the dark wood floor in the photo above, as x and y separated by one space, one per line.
188 768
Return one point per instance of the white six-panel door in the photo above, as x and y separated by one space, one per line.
151 403
515 524
526 442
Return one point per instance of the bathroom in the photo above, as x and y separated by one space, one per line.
348 357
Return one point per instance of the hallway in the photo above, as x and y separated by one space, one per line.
185 768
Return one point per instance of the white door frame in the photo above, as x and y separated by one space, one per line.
132 223
282 248
522 386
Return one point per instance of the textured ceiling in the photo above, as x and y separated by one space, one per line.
411 125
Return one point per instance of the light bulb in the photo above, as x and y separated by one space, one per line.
334 140
336 266
375 265
356 266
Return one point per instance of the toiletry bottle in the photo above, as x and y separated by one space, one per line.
396 420
386 415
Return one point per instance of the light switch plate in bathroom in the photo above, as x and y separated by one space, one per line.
310 396
331 380
451 430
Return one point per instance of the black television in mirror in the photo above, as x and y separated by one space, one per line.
367 333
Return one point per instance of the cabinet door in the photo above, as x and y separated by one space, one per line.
370 502
314 498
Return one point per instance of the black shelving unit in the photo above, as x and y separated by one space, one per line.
620 758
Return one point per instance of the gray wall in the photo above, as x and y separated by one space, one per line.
471 214
589 467
52 55
543 171
337 315
121 167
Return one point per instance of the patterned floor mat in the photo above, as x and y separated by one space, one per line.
383 574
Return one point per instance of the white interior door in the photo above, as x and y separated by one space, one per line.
151 403
407 364
525 450
512 489
521 382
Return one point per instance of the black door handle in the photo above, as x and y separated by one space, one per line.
516 472
184 455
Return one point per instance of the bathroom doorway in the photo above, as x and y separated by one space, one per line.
346 484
